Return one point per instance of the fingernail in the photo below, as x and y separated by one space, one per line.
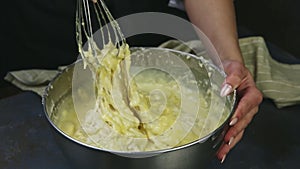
230 141
223 159
233 122
226 90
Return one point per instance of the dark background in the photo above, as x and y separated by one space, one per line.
40 34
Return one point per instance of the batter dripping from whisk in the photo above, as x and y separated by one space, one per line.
121 119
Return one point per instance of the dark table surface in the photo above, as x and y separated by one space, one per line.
272 140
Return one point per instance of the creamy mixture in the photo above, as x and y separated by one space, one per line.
142 112
139 113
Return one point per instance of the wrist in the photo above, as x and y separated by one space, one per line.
232 57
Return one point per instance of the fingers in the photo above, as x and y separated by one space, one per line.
240 125
226 147
236 139
250 99
234 134
223 151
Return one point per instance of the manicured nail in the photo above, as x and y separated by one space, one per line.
230 141
223 159
233 122
226 90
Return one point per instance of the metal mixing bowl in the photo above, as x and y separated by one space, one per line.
193 155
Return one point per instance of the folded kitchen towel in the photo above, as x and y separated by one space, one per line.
277 81
35 80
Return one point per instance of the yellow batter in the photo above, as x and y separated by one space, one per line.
144 112
132 115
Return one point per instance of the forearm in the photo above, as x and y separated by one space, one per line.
216 18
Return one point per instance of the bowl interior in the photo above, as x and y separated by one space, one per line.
75 81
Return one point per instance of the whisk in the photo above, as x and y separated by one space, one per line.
110 33
92 16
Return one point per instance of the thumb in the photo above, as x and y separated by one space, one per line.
236 73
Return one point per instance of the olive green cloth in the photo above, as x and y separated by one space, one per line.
35 80
277 81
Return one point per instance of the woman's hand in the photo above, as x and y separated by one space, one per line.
239 78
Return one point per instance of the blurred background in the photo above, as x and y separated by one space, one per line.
41 34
